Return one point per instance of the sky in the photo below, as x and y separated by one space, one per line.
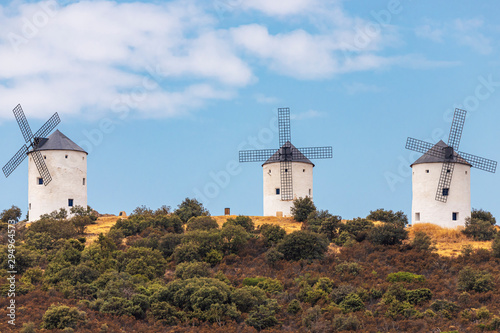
163 94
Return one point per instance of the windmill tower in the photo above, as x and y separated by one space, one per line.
436 198
280 187
65 186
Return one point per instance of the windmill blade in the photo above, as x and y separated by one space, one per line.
424 147
42 167
457 127
443 188
314 152
479 162
48 126
286 180
15 161
285 133
261 155
23 123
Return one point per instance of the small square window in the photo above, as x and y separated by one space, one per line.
65 156
84 181
417 217
446 191
454 216
303 170
448 171
286 170
465 172
277 191
70 202
427 171
44 157
40 181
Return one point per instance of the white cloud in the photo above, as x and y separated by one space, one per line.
359 87
428 32
280 8
263 99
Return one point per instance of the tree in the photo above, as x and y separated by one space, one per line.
234 237
302 207
62 316
388 216
188 270
479 229
359 228
495 246
303 245
80 211
483 215
388 234
422 242
190 208
272 233
472 279
244 221
323 222
81 222
13 213
201 223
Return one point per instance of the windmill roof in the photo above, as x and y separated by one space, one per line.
428 158
297 156
59 141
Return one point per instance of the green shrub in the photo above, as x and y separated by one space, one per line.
352 268
267 284
201 223
188 270
190 208
145 261
264 316
352 303
495 246
273 256
470 279
349 323
233 237
310 316
301 208
272 233
358 228
294 307
478 229
340 293
303 245
322 222
62 316
442 305
405 277
400 309
243 221
187 252
399 218
166 313
387 234
483 215
214 257
419 296
422 242
248 298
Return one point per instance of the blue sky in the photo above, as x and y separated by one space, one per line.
163 94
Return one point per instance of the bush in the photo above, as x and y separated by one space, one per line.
303 245
470 279
144 261
13 213
243 221
187 252
483 215
352 303
419 296
201 223
190 208
294 307
267 284
478 229
442 305
352 268
495 246
214 257
248 298
405 277
388 234
399 218
233 237
273 256
166 313
340 293
358 228
62 316
302 207
188 270
264 316
272 233
323 222
422 242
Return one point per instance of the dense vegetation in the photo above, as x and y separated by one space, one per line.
160 270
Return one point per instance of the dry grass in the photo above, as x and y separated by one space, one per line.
103 225
288 223
449 242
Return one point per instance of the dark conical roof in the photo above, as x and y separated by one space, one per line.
428 158
297 156
58 141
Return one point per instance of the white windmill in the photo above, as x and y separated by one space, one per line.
450 204
280 187
65 186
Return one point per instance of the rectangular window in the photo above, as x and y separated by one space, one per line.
40 181
277 191
454 216
84 181
309 192
29 206
417 217
446 191
70 202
